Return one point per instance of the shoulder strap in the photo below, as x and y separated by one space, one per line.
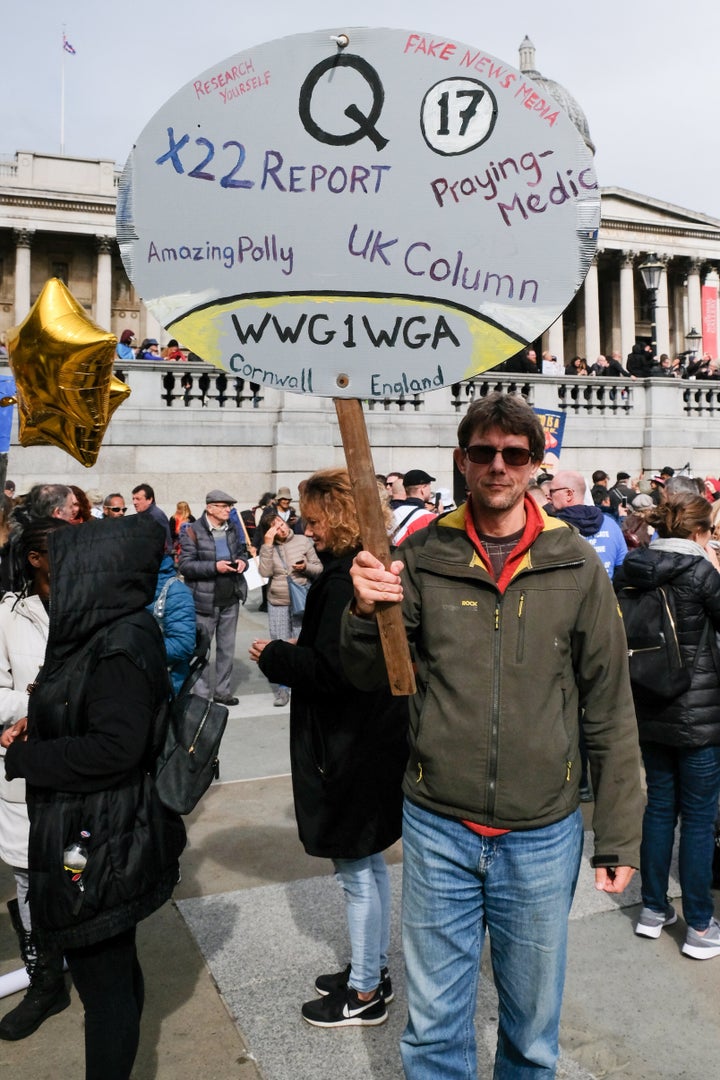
404 521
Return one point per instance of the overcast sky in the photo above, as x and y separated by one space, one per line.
645 74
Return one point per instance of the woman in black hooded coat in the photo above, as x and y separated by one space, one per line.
103 851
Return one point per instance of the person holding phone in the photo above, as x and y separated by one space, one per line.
213 559
283 554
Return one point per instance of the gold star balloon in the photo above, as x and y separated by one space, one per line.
63 367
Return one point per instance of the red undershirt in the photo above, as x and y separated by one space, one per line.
533 528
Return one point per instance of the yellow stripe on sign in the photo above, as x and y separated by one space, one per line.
205 330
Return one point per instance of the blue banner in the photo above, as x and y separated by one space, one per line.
553 424
7 389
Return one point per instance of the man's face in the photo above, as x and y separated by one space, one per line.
68 511
283 504
560 497
497 486
532 355
140 501
218 512
115 508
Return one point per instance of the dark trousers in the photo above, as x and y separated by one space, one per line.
109 982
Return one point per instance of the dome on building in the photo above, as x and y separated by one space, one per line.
563 97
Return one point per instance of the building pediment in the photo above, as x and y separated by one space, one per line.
620 205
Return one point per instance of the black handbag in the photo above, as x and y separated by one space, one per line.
189 761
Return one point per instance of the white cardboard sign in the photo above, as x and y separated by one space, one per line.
358 212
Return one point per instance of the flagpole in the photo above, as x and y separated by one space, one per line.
62 105
62 98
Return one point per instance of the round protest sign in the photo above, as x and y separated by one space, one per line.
358 213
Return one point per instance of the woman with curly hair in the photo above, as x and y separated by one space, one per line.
348 751
84 509
680 737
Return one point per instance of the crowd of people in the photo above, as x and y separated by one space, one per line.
149 349
640 363
525 707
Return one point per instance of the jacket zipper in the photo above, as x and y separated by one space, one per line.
521 629
676 642
495 710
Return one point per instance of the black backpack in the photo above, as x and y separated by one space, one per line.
657 669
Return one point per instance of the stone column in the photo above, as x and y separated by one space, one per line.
627 303
556 340
103 288
153 329
23 243
694 302
592 314
662 314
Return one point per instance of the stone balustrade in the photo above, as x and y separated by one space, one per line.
190 426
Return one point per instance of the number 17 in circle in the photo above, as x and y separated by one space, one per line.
458 115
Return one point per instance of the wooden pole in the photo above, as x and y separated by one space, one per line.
375 539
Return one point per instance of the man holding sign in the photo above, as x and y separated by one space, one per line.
514 628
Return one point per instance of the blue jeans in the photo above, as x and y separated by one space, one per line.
684 782
366 884
455 885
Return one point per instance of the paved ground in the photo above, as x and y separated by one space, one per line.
254 920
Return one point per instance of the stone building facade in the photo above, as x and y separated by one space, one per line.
57 219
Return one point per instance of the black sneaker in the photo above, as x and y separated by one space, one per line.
327 984
343 1008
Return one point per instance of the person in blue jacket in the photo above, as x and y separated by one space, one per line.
174 608
567 495
124 348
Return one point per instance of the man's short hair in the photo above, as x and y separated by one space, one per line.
599 475
113 495
692 484
43 499
510 413
149 493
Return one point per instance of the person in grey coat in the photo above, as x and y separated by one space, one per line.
213 560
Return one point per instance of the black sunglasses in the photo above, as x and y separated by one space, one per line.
117 509
511 455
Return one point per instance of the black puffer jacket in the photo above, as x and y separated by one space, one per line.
94 720
348 747
640 361
693 719
197 563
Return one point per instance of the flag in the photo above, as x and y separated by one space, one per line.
67 46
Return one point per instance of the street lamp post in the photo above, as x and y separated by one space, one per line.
693 341
650 271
